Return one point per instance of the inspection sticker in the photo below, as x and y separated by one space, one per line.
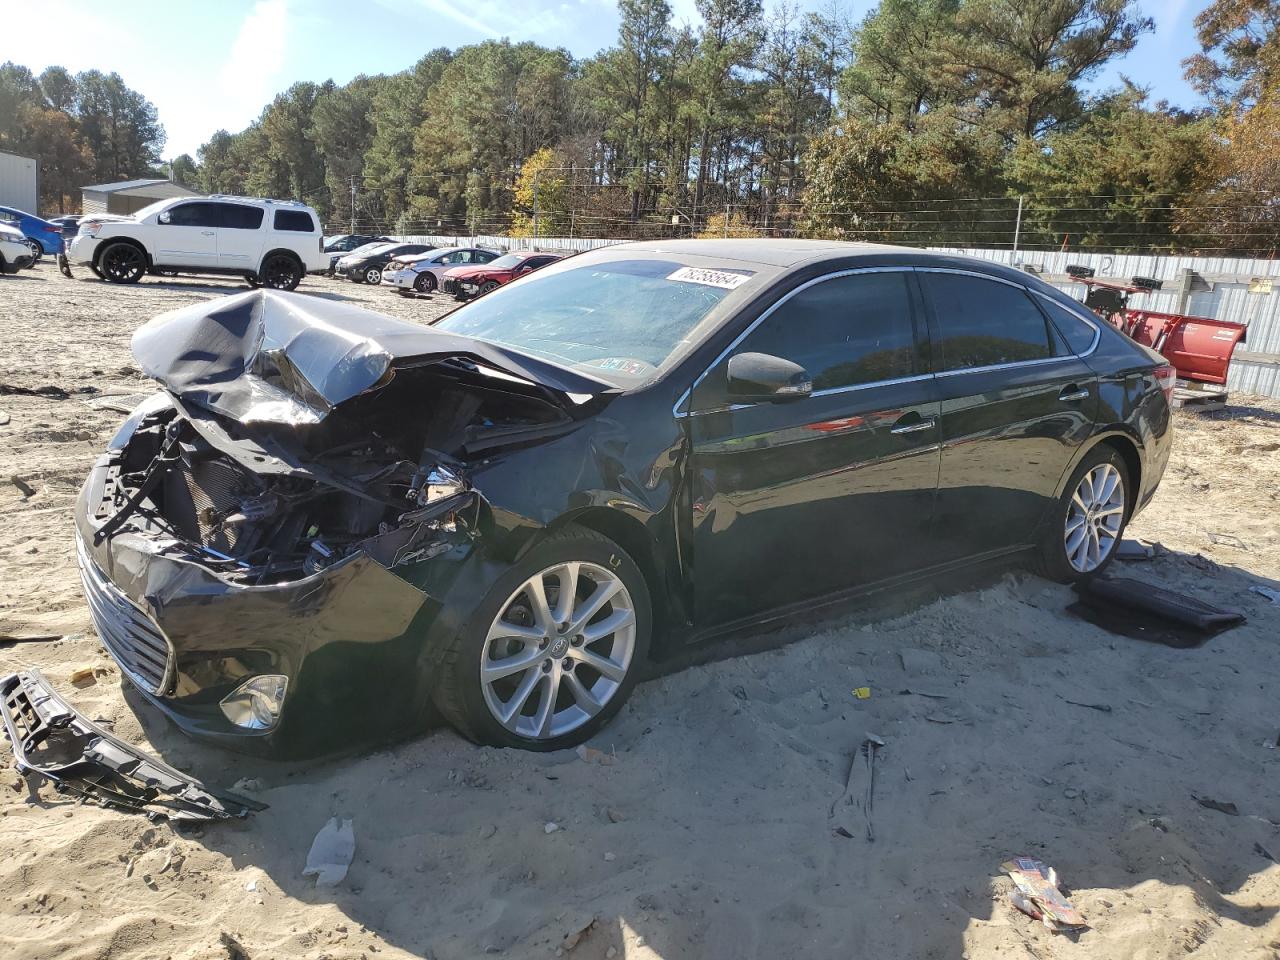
726 279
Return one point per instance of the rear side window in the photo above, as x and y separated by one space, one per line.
297 220
844 331
483 256
1075 330
237 216
983 323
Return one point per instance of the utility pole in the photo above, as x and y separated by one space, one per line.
726 221
353 203
537 175
1017 227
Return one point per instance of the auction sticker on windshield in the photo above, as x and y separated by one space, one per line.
726 279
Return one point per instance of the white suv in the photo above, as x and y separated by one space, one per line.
271 243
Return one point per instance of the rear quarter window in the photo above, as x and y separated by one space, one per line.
298 221
1074 329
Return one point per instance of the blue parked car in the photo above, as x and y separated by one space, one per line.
42 236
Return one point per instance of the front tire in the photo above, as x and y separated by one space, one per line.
425 282
488 287
554 649
1089 519
122 263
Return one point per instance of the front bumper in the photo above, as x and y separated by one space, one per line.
350 639
401 278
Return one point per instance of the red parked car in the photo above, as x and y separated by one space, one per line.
477 278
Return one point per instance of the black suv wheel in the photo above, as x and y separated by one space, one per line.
280 272
122 262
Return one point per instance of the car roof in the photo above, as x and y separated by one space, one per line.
764 251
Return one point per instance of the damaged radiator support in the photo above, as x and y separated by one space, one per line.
52 742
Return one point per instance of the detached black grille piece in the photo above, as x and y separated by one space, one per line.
450 286
130 636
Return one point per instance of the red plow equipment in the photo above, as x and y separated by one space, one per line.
1199 348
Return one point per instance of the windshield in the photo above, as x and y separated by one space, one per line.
507 262
374 247
622 319
151 208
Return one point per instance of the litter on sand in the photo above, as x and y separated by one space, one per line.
862 693
1272 595
1037 895
331 853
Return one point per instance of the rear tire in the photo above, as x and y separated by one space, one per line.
566 699
37 251
1088 521
280 272
373 275
122 262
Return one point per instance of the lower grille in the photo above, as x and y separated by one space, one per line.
130 636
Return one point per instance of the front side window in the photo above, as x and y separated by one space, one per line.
984 323
237 216
194 215
298 221
845 331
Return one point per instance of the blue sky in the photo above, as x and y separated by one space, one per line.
216 63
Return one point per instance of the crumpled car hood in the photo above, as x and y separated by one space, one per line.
271 357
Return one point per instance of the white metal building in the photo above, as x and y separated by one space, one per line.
129 196
19 179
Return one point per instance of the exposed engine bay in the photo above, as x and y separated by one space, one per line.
268 503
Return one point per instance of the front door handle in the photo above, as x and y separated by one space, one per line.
1072 393
206 233
911 426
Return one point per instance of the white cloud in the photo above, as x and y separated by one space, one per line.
446 8
248 78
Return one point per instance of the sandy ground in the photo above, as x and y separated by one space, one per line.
713 832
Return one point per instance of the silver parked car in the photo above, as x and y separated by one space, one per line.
425 273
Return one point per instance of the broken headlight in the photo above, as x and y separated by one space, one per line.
256 703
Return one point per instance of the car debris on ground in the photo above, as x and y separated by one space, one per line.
331 853
1037 895
1143 611
52 742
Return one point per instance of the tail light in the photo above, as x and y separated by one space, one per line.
1167 376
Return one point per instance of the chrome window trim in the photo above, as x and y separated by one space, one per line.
1004 366
688 392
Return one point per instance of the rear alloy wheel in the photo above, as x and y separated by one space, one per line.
37 251
553 651
280 272
425 282
122 263
1089 519
373 275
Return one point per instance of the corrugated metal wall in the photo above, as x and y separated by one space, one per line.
18 182
1256 371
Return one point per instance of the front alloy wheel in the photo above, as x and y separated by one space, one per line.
122 263
552 651
425 282
1094 518
559 651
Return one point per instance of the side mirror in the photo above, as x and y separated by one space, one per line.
164 216
760 376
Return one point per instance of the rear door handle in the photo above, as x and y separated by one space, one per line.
206 233
912 426
1072 393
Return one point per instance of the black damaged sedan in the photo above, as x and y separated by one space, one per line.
330 524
